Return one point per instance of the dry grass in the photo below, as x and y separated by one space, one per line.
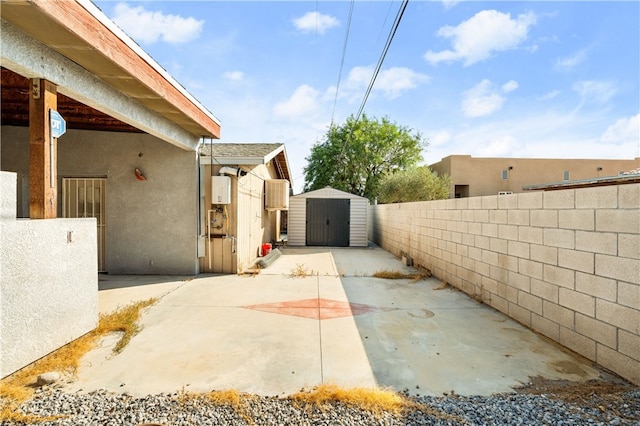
397 275
123 320
19 387
375 401
229 398
442 286
300 271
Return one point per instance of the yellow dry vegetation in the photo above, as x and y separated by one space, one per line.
231 398
397 275
19 387
374 400
300 271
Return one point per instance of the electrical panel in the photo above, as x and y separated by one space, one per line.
276 194
220 190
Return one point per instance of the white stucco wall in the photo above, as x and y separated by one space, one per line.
49 291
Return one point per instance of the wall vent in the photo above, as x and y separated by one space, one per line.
276 194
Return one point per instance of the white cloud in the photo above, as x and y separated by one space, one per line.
392 82
398 80
595 91
234 75
303 101
448 4
315 22
148 27
623 131
571 61
481 100
549 95
478 37
501 147
510 86
440 138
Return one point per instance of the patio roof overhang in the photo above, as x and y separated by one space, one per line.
84 37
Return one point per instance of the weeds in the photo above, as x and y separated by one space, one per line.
397 275
228 398
19 387
300 271
373 400
124 320
443 285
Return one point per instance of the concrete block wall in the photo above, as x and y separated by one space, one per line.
565 263
49 291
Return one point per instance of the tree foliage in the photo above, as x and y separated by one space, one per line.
416 184
356 155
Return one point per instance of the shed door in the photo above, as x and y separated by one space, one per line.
328 222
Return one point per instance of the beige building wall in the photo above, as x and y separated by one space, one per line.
565 263
472 177
234 247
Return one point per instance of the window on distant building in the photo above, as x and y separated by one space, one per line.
505 174
566 175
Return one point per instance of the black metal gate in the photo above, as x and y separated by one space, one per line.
328 222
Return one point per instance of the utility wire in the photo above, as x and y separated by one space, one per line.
392 33
344 52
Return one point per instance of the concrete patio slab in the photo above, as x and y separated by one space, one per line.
278 332
121 290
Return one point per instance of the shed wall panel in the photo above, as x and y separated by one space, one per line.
297 221
358 232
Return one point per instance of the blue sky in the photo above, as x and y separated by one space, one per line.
543 79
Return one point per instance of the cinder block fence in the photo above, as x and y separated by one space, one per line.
565 263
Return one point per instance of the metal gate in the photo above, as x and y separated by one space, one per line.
86 197
328 222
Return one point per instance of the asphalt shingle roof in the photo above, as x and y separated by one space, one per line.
239 150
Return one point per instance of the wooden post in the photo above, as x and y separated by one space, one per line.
43 170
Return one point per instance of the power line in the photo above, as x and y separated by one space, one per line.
344 52
392 33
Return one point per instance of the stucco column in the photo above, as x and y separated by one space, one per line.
43 170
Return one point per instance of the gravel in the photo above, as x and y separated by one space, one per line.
517 408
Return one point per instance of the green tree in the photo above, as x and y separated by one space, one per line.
354 156
416 184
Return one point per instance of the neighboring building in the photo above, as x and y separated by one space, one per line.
244 194
328 217
124 176
632 176
472 177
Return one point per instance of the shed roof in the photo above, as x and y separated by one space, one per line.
249 154
328 192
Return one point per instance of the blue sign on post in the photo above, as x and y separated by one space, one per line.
58 125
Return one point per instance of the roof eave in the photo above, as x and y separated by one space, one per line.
79 31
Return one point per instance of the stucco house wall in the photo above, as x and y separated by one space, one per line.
49 292
152 225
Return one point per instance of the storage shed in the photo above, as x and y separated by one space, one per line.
328 217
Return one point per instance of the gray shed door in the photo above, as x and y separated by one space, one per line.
328 222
